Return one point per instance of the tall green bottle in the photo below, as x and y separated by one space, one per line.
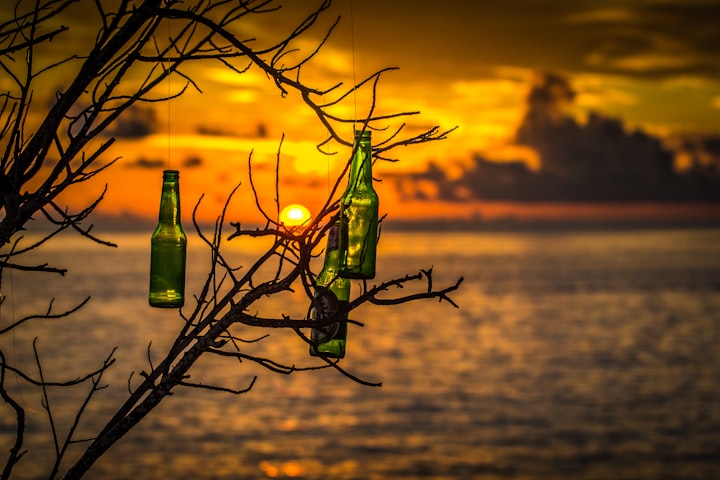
333 292
359 207
168 248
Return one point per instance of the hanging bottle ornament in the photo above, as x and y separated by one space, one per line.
359 213
168 248
333 293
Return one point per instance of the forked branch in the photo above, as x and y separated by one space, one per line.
135 54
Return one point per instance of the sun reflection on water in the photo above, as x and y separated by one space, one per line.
577 356
289 469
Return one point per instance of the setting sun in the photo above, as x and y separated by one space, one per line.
294 215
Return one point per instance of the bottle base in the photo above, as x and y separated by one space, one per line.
166 305
165 297
165 302
331 349
357 275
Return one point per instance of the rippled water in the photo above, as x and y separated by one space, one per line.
575 355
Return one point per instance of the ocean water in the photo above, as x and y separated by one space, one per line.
573 355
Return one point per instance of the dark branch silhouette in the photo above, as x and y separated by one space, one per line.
153 40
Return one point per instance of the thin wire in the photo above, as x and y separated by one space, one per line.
168 125
354 78
169 99
327 170
352 48
11 298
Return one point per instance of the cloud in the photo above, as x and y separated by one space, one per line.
701 156
601 15
649 39
147 163
598 161
135 122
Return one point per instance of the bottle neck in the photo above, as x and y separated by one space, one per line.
361 169
333 251
170 200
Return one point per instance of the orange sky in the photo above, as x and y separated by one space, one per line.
463 64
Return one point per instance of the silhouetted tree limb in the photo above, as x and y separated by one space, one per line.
15 453
47 315
140 45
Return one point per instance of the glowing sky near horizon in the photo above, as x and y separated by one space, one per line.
652 65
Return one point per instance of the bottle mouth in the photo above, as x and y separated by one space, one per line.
363 134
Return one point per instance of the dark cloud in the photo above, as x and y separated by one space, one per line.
193 162
658 38
662 38
702 155
652 39
597 161
137 121
147 163
260 131
158 163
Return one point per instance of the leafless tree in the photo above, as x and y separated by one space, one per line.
70 143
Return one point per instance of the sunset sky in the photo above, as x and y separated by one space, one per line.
593 108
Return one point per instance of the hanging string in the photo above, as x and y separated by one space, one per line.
11 298
168 94
352 48
327 169
354 80
168 125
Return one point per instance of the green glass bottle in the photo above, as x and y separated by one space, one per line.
168 247
359 208
333 292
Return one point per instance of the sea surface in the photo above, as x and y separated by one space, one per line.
575 354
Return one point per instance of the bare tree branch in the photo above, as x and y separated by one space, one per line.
15 453
134 56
